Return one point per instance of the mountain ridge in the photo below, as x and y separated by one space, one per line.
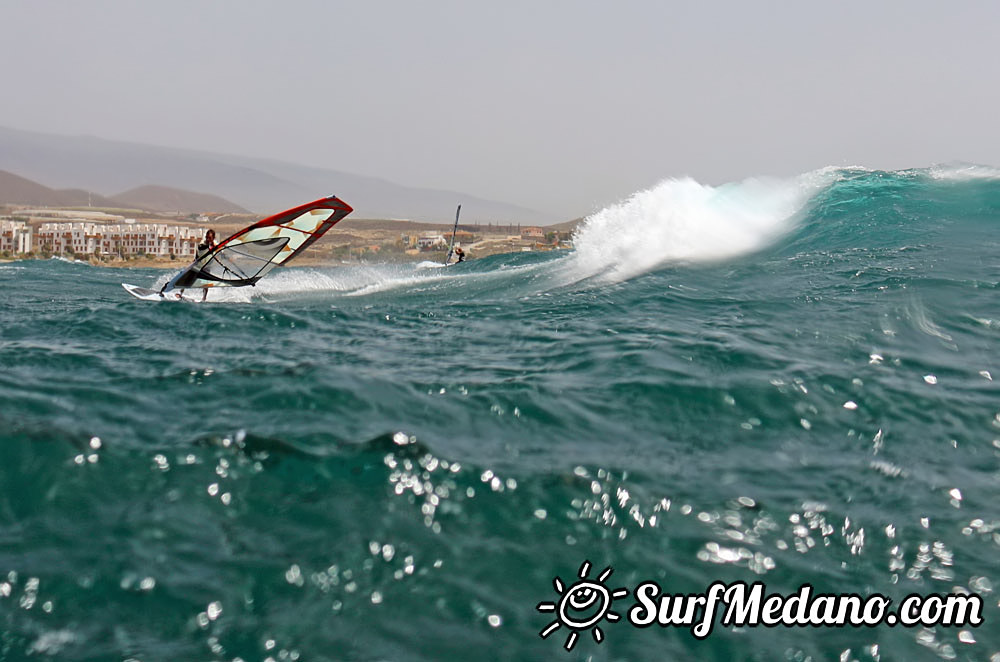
168 199
260 185
15 189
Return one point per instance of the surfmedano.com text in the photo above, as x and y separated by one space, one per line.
746 605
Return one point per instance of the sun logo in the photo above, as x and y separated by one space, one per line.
582 605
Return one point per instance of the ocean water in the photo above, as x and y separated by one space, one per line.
780 381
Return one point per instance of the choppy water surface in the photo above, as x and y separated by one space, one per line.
779 381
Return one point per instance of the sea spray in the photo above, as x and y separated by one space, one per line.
681 220
351 279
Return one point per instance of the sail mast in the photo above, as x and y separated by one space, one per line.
454 230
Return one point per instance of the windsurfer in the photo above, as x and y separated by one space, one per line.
206 246
460 254
247 256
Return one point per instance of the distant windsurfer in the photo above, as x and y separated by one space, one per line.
460 254
207 246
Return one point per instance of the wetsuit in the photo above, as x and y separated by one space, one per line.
203 249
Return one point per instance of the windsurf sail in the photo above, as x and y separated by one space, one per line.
250 254
454 230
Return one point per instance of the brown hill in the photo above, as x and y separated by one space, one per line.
166 199
568 226
17 190
20 191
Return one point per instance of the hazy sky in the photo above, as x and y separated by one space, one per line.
562 106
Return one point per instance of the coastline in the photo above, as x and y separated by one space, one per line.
375 245
177 264
353 241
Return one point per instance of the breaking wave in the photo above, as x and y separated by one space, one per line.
683 221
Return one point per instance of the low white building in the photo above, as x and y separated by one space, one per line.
124 239
15 237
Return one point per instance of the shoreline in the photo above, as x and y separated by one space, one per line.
329 260
358 241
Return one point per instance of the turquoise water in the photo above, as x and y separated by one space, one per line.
786 381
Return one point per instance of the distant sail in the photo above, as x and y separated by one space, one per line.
454 231
250 254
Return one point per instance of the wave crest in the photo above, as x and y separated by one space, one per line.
683 221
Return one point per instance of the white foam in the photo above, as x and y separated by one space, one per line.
348 280
69 260
680 220
962 172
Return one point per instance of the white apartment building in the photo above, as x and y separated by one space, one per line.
15 237
125 239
